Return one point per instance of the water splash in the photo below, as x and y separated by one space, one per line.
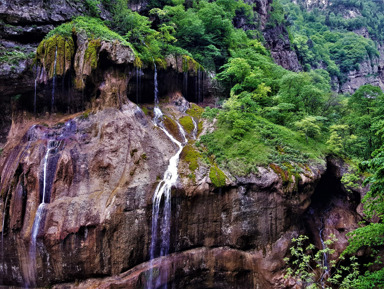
54 81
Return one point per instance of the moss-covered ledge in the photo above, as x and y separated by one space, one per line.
77 45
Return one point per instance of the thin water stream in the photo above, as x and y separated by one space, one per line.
54 82
161 216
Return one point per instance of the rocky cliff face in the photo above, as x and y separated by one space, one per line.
276 36
97 174
370 70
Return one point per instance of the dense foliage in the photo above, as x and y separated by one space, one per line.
325 38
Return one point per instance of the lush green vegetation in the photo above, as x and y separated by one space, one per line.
93 27
309 269
324 38
14 55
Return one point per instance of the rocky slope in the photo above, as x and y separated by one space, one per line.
370 70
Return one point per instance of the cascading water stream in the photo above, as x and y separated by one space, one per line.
198 85
185 84
54 81
163 192
51 146
194 132
139 73
156 89
325 255
35 96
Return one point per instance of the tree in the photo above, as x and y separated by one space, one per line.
363 107
309 126
336 141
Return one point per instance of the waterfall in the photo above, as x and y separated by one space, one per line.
2 236
194 132
163 192
139 73
156 89
185 84
35 96
198 85
137 85
325 255
162 216
53 82
40 213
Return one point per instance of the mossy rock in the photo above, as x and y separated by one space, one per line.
138 62
91 55
187 124
286 175
59 47
195 111
217 177
171 126
191 156
145 110
190 64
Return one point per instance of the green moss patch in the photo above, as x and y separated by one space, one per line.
286 171
91 54
57 46
191 156
195 111
93 27
217 176
171 126
190 64
187 123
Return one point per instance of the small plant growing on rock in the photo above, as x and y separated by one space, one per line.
310 269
